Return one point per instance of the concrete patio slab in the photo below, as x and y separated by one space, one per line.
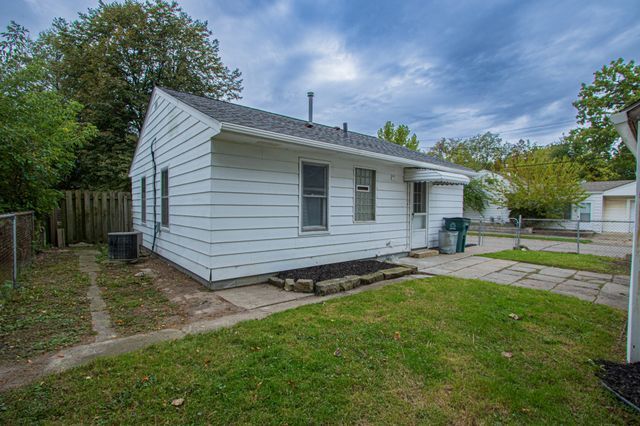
622 279
596 275
534 284
525 267
557 272
615 289
583 284
259 295
616 301
579 295
546 278
502 278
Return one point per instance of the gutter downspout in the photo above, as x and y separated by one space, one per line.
156 228
621 122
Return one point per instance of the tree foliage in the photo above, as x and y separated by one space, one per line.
39 131
110 58
476 195
485 151
400 135
596 144
540 185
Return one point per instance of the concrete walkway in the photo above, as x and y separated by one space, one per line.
607 289
100 318
260 300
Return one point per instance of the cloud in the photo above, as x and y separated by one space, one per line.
445 69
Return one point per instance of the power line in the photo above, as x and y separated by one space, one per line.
539 127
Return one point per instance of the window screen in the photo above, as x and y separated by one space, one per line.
164 194
419 197
143 199
585 212
365 199
315 180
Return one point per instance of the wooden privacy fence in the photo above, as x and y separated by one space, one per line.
88 216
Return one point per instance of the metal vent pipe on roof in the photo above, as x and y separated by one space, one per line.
310 95
345 127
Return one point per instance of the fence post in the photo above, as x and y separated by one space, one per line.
578 237
14 240
518 230
480 233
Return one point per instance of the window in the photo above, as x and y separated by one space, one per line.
585 212
164 195
365 199
315 189
143 199
419 197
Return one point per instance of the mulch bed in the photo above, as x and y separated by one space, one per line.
336 270
623 380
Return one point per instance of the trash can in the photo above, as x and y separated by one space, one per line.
460 224
447 242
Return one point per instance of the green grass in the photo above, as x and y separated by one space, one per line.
135 304
531 237
582 262
49 311
427 352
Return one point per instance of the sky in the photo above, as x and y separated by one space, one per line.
444 68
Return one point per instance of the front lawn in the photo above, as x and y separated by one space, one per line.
49 311
440 350
582 262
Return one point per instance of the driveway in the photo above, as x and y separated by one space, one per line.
606 289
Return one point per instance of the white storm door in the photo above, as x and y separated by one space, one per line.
419 218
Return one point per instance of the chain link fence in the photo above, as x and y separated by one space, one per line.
17 236
601 237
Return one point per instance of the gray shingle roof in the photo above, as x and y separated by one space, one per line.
604 186
227 112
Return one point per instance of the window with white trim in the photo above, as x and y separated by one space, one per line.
585 212
143 199
315 196
365 198
164 196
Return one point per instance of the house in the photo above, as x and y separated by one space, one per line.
233 194
609 207
493 212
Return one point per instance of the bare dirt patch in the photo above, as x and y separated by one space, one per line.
195 301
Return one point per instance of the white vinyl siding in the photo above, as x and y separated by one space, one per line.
365 195
256 207
182 143
444 201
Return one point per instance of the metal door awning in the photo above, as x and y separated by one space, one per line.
435 176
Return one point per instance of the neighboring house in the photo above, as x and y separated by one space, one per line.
234 194
609 208
493 213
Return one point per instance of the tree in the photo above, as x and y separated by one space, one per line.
596 143
39 131
485 151
539 185
110 58
476 196
399 136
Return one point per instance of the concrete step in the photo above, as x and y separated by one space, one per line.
419 254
